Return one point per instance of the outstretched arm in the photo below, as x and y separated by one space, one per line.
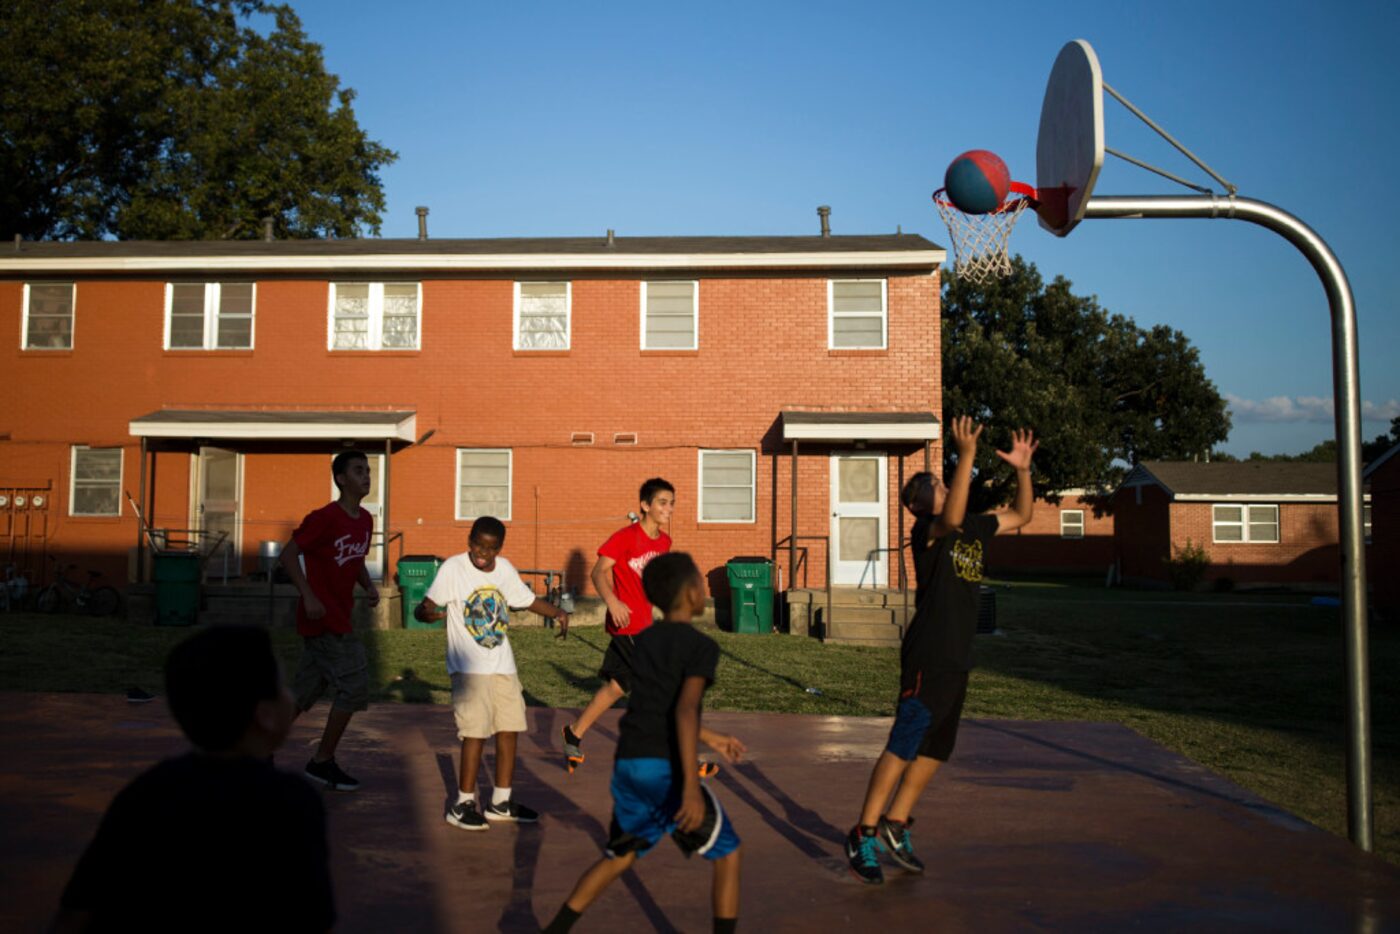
1023 448
964 433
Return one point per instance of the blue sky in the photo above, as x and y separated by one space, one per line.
560 119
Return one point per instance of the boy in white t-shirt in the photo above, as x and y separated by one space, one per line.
474 592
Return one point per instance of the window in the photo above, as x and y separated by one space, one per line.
97 482
48 316
209 316
1071 523
1232 523
374 315
670 315
542 315
483 483
726 486
856 314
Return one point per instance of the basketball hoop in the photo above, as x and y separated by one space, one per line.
980 240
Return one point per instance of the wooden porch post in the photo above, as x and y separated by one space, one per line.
792 540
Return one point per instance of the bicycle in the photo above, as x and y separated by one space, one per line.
14 591
64 595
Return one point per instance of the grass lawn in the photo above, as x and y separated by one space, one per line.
1248 685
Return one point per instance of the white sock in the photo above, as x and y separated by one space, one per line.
500 795
464 796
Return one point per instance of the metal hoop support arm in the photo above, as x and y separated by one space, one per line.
1346 389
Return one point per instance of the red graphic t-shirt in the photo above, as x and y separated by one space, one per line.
631 549
333 547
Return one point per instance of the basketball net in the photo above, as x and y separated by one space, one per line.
980 240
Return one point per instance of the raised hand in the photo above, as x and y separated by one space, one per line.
1023 448
965 433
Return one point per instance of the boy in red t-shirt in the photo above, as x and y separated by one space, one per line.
617 576
332 542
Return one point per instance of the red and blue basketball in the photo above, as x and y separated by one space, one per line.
977 181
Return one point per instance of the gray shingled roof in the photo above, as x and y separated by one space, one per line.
436 247
1248 478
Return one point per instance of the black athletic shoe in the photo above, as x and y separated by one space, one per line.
708 769
330 775
136 695
863 851
464 814
510 811
900 842
573 755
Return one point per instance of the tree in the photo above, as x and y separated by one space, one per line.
1099 391
176 120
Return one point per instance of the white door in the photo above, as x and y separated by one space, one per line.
859 519
374 505
218 508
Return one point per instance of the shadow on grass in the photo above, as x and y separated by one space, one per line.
411 689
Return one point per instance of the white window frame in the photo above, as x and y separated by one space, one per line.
568 316
375 335
700 485
1245 510
694 314
457 481
213 301
72 316
884 314
73 481
1071 530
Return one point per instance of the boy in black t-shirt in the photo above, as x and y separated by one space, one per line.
655 786
949 548
215 839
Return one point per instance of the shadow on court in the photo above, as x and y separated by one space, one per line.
1069 826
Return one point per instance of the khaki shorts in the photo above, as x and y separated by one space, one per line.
332 661
484 705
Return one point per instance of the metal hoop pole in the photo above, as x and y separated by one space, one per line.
1346 385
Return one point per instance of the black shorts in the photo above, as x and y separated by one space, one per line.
617 662
926 723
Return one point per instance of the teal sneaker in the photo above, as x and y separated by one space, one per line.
900 842
863 850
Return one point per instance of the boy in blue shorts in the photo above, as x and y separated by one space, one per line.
656 789
936 655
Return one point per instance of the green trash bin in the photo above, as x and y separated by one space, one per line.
177 587
416 573
751 594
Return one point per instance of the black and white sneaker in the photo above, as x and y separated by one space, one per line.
464 814
331 775
900 843
136 695
510 811
863 851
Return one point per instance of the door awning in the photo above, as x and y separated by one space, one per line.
245 425
860 426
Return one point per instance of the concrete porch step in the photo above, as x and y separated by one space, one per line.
883 632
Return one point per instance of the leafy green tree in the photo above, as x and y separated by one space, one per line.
176 119
1099 390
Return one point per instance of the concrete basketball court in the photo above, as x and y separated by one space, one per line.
1032 826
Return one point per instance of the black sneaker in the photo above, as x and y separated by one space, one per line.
863 850
464 814
510 811
573 755
139 696
330 775
900 842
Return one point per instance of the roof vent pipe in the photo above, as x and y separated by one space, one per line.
612 241
422 213
824 212
267 229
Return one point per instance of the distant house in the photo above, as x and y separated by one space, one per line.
1382 476
1261 522
1072 536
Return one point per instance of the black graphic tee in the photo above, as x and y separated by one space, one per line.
663 657
949 575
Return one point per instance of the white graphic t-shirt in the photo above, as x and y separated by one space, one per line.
478 605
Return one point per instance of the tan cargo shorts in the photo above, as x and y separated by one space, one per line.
484 705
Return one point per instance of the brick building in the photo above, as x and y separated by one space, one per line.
1072 536
540 380
1258 521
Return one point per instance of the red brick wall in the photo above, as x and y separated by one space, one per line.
1039 546
1306 552
762 349
1384 553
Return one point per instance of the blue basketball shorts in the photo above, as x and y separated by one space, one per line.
926 723
646 796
